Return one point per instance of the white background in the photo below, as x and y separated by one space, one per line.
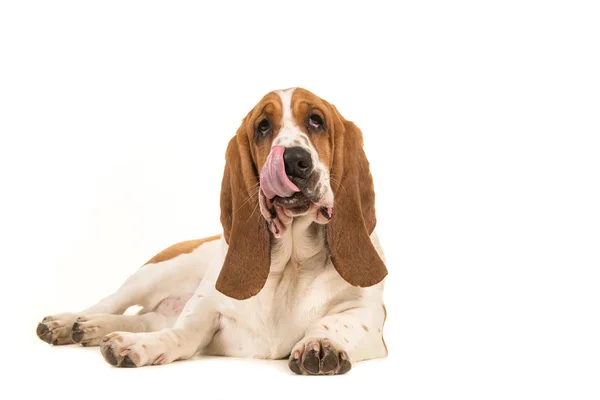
481 123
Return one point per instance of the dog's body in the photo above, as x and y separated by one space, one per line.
216 295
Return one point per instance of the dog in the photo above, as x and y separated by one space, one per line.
298 271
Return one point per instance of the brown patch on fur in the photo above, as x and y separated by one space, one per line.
365 328
246 265
325 327
271 108
180 248
345 326
348 233
346 340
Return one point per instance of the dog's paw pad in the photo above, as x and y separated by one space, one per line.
56 329
319 357
130 350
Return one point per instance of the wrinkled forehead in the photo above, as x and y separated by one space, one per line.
288 105
296 102
270 105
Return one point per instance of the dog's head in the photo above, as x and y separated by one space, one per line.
294 155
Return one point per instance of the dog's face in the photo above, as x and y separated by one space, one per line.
293 155
291 135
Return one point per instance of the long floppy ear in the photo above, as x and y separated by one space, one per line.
348 232
248 258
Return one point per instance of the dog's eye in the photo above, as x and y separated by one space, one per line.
315 122
263 128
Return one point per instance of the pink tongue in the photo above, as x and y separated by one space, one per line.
273 179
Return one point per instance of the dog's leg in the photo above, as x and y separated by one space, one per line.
56 329
92 328
193 330
175 272
335 341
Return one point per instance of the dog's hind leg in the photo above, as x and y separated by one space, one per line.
173 273
56 329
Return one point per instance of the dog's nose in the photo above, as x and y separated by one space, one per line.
298 162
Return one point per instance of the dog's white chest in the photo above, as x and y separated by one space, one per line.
268 325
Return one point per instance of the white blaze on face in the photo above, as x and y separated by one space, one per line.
290 135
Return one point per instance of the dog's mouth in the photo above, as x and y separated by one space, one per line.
310 194
296 205
284 197
280 211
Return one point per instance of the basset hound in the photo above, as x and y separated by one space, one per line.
297 272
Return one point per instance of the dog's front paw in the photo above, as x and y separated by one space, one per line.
319 356
90 330
56 329
130 350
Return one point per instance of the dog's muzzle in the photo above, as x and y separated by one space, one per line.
274 180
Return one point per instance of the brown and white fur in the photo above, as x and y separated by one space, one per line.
324 317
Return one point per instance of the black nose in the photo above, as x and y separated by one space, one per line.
297 162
